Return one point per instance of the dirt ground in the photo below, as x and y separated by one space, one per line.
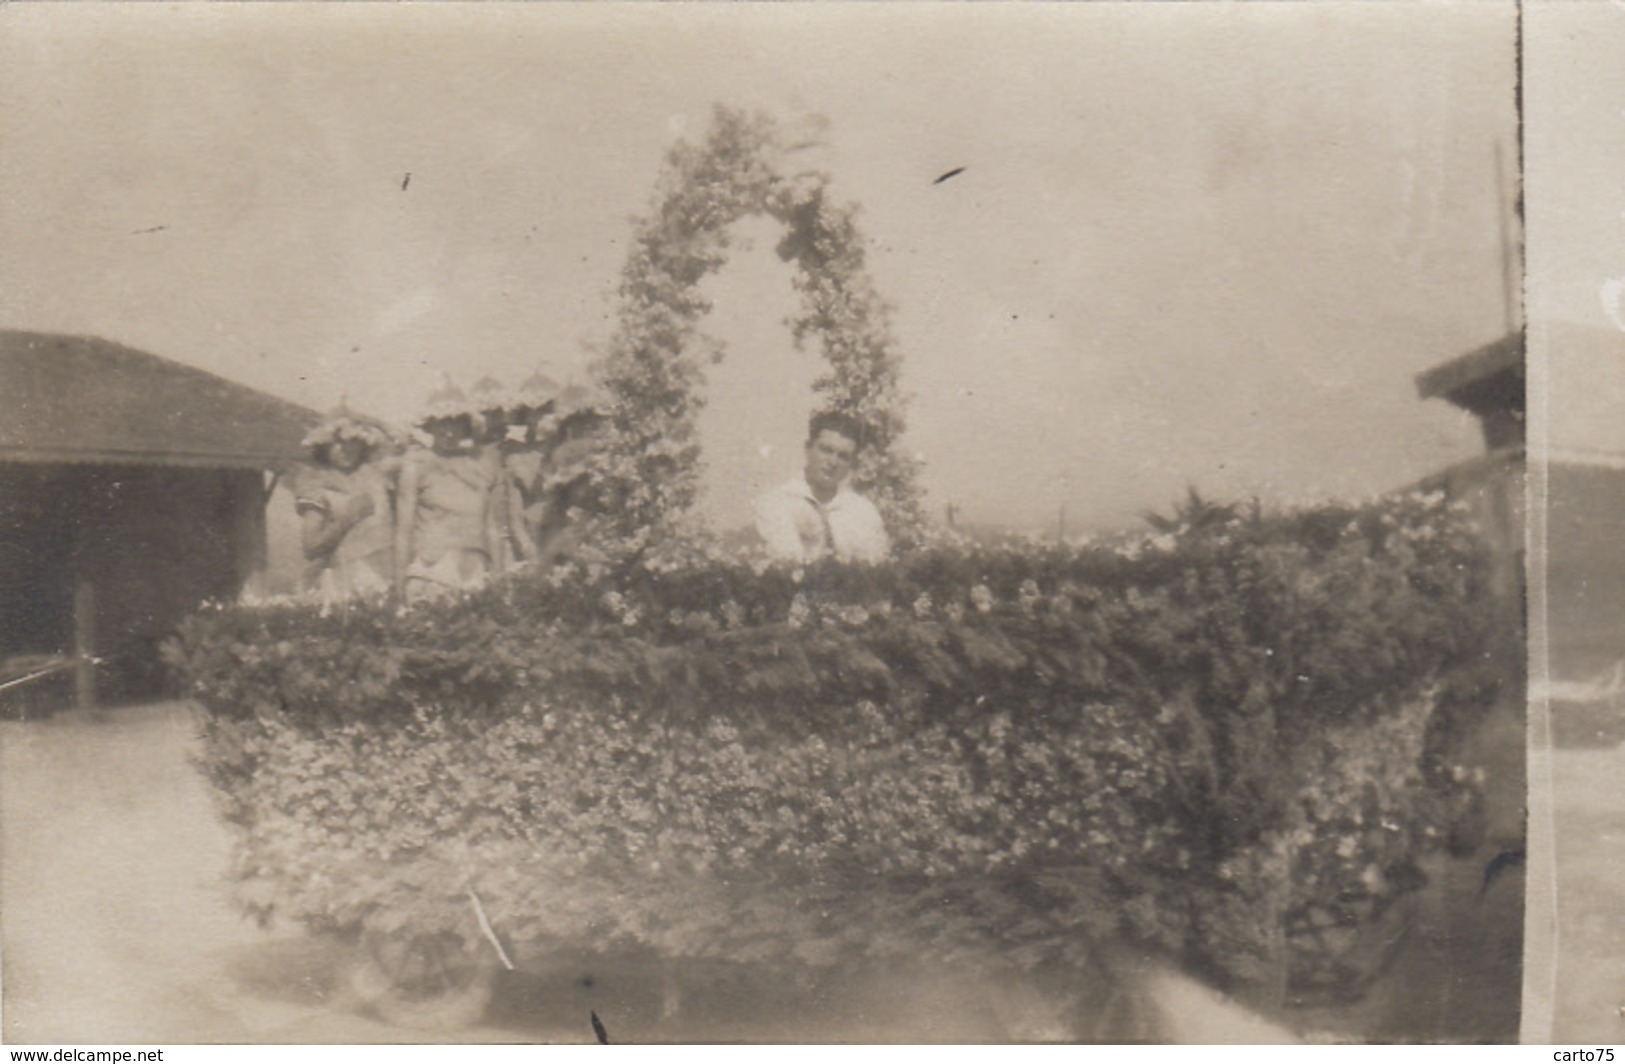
113 922
114 928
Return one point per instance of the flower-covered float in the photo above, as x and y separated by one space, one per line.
1231 740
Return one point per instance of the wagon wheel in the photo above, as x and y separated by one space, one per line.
431 982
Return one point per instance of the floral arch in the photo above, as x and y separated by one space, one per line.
653 368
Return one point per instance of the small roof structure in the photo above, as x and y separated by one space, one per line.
82 399
1487 382
1482 379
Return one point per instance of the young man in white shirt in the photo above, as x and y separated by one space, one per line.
817 513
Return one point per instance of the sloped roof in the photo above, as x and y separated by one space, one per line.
84 399
1483 377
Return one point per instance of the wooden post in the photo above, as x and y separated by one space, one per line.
84 642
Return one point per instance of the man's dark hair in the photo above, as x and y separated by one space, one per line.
831 421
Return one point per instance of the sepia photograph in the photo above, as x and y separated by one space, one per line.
798 523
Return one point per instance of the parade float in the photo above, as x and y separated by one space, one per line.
1230 740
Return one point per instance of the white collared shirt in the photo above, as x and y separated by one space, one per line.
792 524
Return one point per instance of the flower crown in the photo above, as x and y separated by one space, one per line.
446 401
536 392
346 427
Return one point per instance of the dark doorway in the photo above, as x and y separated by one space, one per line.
137 547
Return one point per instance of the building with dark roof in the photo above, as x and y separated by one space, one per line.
132 489
1488 382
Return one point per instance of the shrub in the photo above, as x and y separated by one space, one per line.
1223 739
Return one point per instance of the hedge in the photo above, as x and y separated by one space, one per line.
1233 740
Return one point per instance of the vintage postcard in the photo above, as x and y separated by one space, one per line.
570 523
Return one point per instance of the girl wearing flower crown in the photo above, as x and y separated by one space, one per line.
444 519
345 500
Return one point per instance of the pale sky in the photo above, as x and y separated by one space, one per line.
1192 244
